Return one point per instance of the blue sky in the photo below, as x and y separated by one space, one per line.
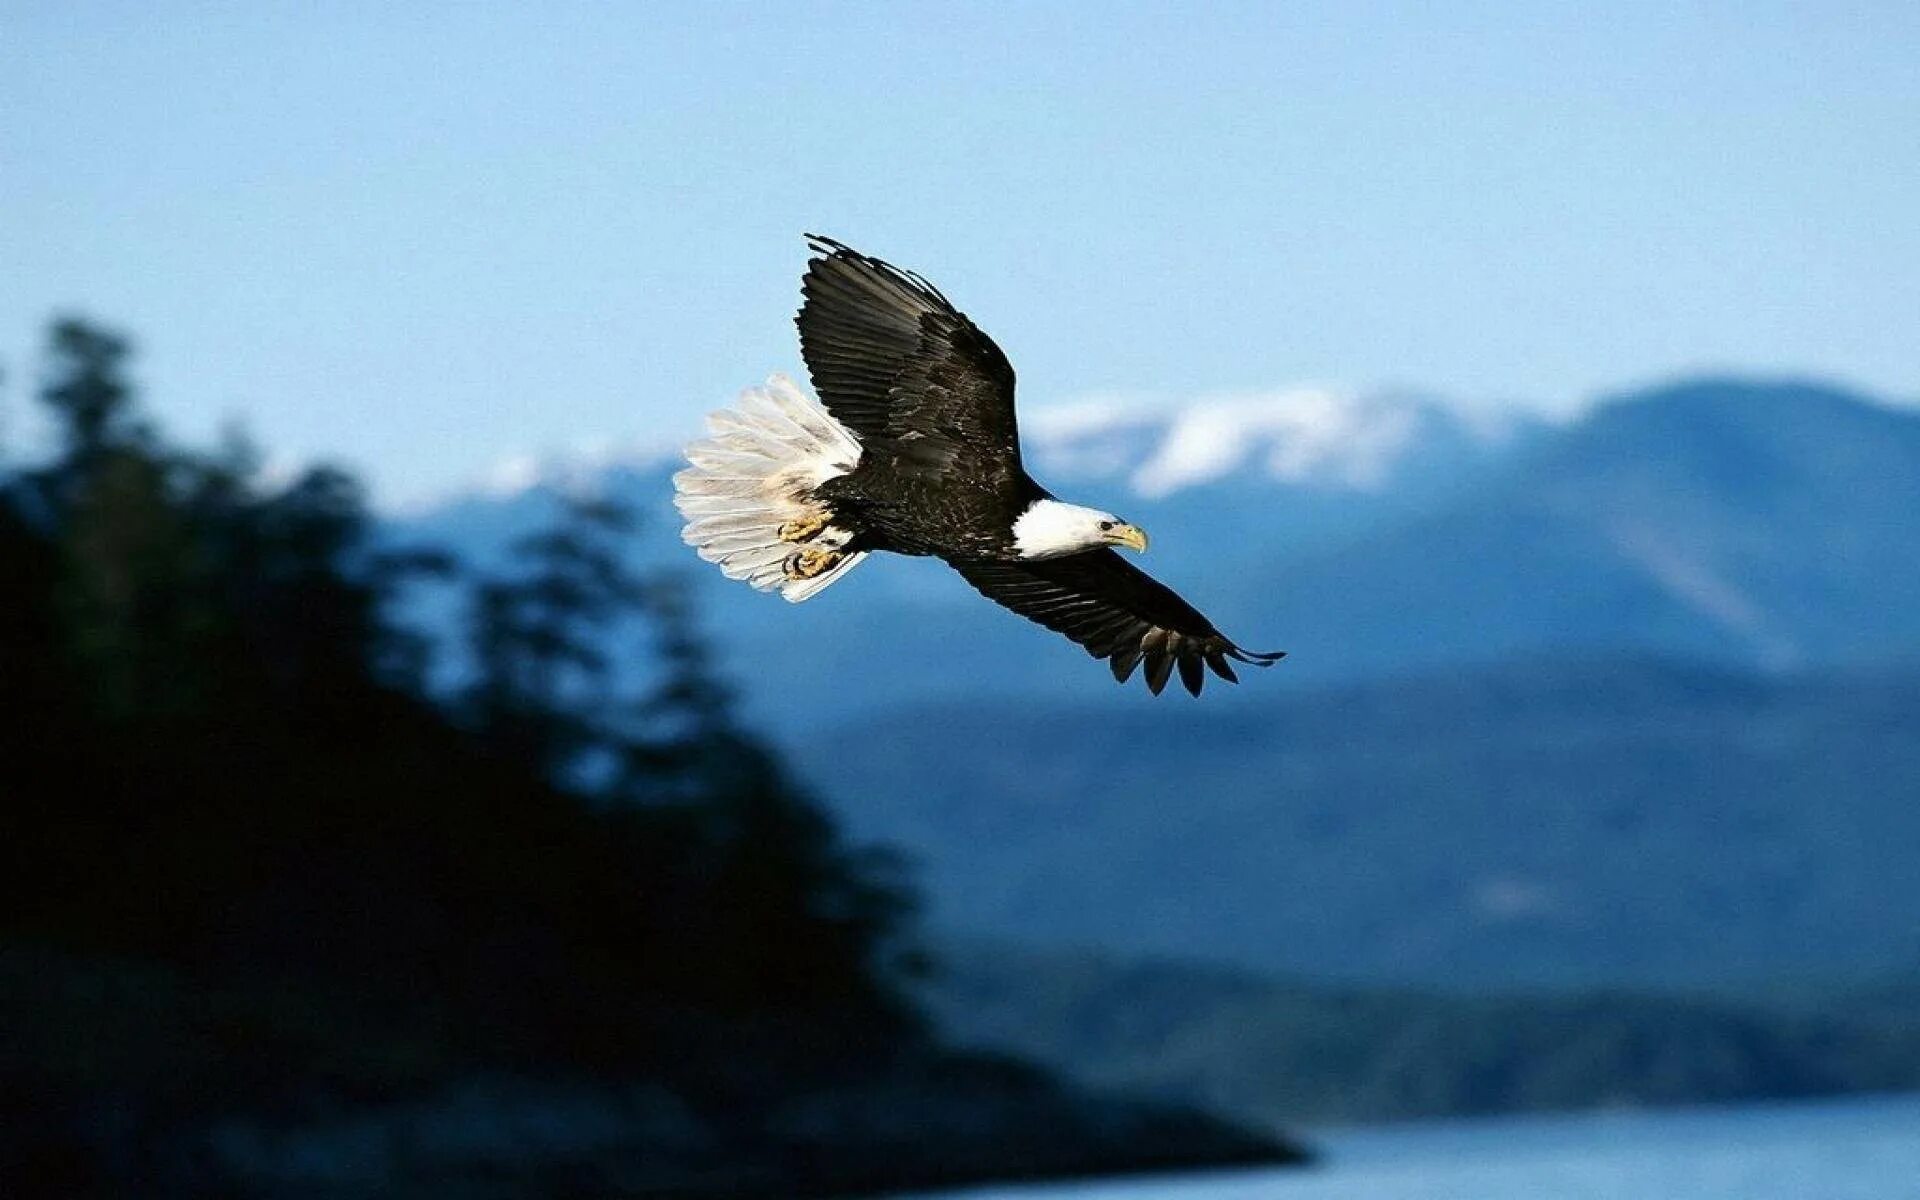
422 239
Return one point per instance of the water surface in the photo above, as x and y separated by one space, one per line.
1862 1149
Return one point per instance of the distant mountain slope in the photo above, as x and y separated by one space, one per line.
1542 822
1272 1052
1770 524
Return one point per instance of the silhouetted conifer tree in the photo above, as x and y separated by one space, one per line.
90 397
540 638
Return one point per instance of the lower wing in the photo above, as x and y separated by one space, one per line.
1117 612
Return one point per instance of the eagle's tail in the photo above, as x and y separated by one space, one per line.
748 497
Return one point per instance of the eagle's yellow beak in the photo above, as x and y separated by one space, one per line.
1129 535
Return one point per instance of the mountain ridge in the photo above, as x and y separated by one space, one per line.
1770 524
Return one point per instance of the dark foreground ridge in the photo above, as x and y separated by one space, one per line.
126 1076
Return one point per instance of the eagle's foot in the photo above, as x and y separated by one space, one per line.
804 529
812 561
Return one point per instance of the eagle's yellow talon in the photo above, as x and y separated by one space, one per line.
804 528
805 564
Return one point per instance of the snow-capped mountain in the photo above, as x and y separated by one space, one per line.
1304 437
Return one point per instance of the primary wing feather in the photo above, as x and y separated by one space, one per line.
896 363
1117 612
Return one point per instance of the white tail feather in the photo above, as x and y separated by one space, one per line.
755 473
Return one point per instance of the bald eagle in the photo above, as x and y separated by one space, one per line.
916 452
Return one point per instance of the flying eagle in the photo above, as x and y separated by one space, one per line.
916 452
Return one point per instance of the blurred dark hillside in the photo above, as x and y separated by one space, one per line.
275 922
1268 1049
1543 822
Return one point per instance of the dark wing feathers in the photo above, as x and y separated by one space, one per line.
917 381
902 368
1117 612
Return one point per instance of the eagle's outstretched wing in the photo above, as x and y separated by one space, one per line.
907 372
1117 612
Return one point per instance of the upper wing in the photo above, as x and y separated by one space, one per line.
900 366
1117 612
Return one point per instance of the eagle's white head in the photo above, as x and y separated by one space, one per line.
1051 529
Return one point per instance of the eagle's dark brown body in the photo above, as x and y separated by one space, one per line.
909 514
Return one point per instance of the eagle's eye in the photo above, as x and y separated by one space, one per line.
1106 525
